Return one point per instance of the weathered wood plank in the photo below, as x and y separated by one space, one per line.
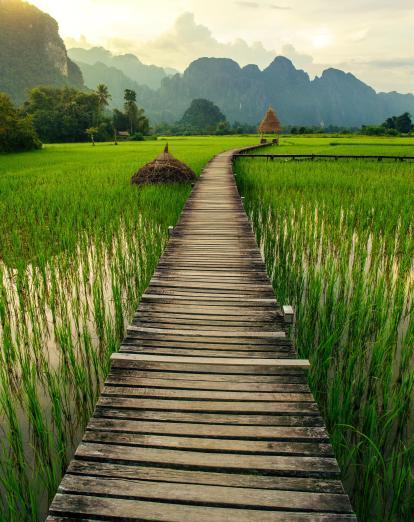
167 393
136 379
291 448
304 434
204 494
136 510
234 418
213 478
283 465
229 407
241 361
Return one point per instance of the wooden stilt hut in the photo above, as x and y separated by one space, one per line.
269 125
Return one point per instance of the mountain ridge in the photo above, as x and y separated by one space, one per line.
243 94
32 53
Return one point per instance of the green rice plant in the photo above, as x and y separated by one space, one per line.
78 246
338 240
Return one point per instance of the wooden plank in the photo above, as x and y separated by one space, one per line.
213 478
204 494
206 352
136 510
242 361
277 378
135 379
204 369
282 418
209 333
268 347
283 465
279 433
300 407
291 448
173 393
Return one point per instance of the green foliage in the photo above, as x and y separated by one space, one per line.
133 118
62 115
16 132
92 132
32 52
103 95
402 124
137 136
202 117
391 127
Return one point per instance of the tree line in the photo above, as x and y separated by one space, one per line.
62 115
394 126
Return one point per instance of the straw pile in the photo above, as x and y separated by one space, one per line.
164 169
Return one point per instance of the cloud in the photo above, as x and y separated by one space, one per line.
279 7
82 41
187 41
299 59
253 5
257 5
393 63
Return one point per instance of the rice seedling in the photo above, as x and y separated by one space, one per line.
338 240
78 247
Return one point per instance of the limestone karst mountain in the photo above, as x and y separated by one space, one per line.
31 51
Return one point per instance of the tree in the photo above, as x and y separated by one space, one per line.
404 123
137 120
130 107
62 115
203 116
223 128
103 95
91 132
390 123
120 120
17 133
399 124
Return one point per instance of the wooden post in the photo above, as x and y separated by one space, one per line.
170 231
288 314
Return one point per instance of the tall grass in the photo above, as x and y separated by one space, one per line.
78 247
338 239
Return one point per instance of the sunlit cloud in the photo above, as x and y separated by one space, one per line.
314 34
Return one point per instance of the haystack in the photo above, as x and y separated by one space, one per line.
164 169
270 123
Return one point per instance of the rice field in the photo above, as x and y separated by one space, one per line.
338 240
342 144
78 246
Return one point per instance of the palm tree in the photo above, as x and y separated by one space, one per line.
103 95
130 106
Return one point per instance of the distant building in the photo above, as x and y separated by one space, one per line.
122 135
270 124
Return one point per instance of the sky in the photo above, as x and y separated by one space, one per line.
373 39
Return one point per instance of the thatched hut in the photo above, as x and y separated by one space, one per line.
270 124
164 169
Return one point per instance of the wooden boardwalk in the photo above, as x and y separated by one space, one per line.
206 414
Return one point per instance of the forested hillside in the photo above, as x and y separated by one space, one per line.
31 51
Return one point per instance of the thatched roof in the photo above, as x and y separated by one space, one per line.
270 123
164 169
